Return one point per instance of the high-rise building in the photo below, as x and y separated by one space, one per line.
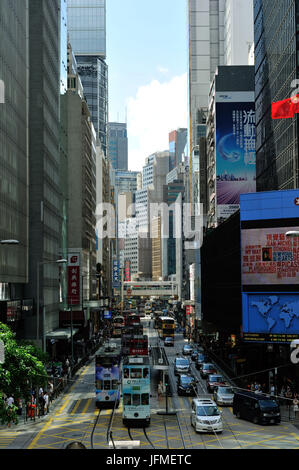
118 145
44 162
276 67
87 35
14 155
238 31
177 144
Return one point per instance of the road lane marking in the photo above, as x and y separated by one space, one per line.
75 407
42 431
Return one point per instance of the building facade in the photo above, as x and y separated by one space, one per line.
87 35
118 145
14 154
276 67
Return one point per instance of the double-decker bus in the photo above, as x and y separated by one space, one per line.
136 391
108 375
134 345
165 327
118 323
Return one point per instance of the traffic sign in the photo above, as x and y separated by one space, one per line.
2 352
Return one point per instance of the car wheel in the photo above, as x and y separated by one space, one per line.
255 420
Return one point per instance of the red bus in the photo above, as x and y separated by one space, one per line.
132 319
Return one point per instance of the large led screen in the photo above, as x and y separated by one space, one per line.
269 257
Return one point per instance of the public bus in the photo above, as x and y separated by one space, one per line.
134 345
136 391
108 375
165 327
157 315
118 323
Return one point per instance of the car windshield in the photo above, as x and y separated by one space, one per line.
187 380
268 404
215 378
207 411
168 339
225 391
187 347
208 366
182 362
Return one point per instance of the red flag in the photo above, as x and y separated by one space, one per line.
286 108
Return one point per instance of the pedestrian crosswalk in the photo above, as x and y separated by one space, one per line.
6 438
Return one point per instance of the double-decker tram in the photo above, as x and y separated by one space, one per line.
134 345
136 391
165 327
108 375
118 323
132 319
136 329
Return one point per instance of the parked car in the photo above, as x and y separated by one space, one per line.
187 350
169 341
194 354
201 358
205 416
181 366
256 407
207 369
213 381
187 385
223 395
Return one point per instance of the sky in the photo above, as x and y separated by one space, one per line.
147 48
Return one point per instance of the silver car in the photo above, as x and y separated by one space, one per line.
224 395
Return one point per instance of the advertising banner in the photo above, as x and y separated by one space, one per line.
115 274
127 270
235 151
74 278
269 257
271 317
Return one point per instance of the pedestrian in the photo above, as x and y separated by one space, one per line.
160 389
20 407
51 391
272 390
46 403
9 403
41 403
296 404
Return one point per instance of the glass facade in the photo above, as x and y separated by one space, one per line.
93 72
87 26
14 139
118 145
276 66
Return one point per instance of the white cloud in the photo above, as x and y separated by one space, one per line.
157 109
161 69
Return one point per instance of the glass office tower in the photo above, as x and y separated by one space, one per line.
276 66
87 35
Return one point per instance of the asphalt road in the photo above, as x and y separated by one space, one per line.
75 417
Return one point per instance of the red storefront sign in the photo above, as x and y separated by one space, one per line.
74 279
127 271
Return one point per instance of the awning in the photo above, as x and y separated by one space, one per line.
62 333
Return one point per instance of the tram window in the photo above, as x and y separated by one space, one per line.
136 373
126 373
127 399
107 384
136 399
99 385
145 372
114 384
145 399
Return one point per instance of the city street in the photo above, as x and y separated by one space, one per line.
75 417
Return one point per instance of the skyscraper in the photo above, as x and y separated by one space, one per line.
177 144
276 66
14 210
44 159
87 34
118 145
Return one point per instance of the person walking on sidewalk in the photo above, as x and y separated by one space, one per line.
296 405
46 403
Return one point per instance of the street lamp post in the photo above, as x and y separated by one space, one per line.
39 264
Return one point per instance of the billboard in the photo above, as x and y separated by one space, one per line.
115 274
73 278
269 257
270 266
235 150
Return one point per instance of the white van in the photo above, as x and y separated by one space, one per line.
205 416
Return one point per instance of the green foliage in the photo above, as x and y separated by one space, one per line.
22 370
